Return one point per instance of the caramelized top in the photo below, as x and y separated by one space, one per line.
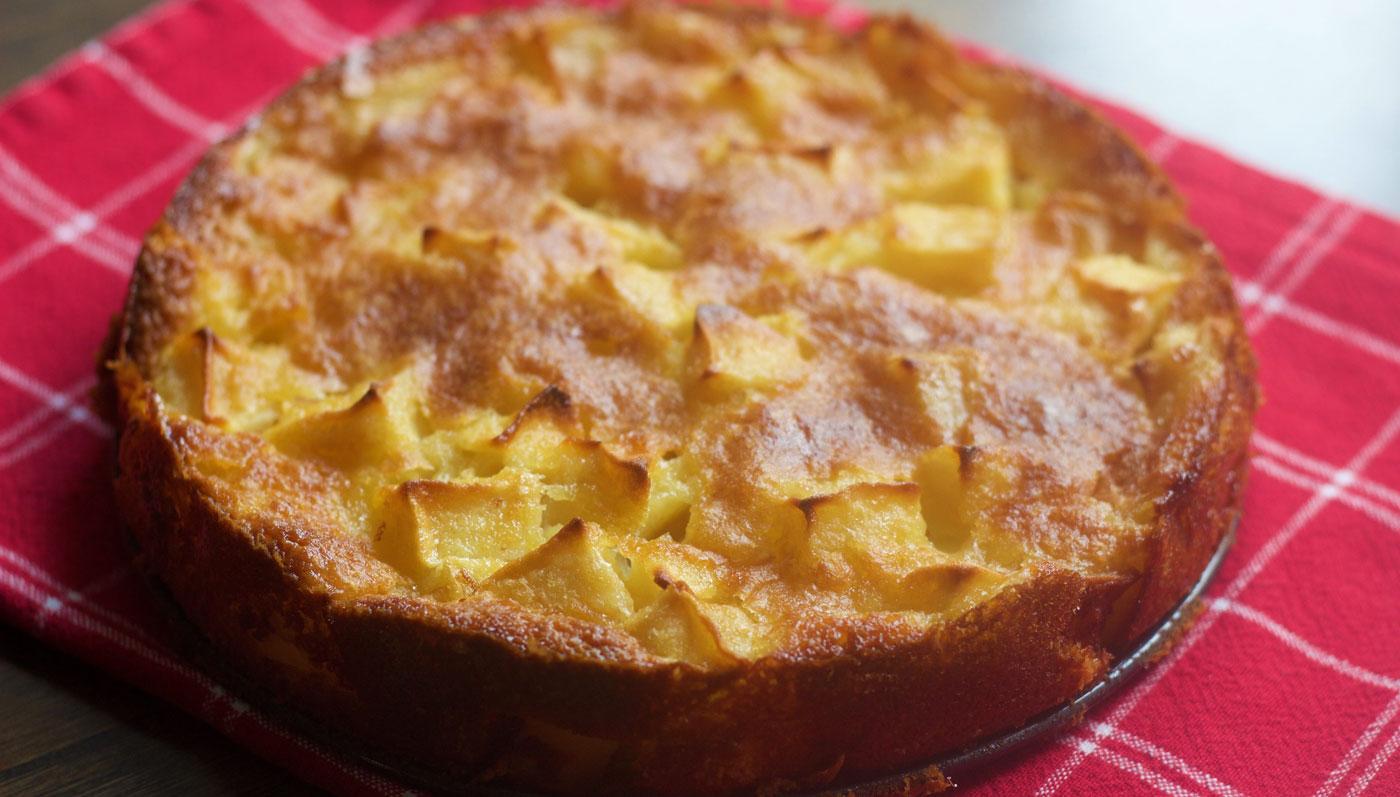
694 324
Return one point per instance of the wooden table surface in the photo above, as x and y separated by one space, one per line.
67 727
1323 73
71 729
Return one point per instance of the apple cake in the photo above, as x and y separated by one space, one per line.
675 400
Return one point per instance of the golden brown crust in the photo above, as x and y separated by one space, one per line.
255 528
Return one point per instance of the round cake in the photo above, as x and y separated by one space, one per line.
675 400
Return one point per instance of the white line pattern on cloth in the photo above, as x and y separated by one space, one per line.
150 95
1343 768
1301 461
1341 484
1324 495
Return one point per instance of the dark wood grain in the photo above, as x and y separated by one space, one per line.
35 33
68 728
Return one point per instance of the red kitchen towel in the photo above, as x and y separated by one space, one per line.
1289 683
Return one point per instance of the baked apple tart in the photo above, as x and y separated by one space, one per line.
675 400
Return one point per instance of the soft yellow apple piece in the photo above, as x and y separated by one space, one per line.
684 34
431 530
764 88
731 351
470 247
864 533
1133 294
377 432
1180 363
936 381
947 587
839 82
530 52
590 172
631 240
183 378
701 571
939 477
235 387
972 167
737 632
948 249
674 627
1125 275
870 541
582 478
464 445
945 249
650 293
673 483
578 50
575 572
